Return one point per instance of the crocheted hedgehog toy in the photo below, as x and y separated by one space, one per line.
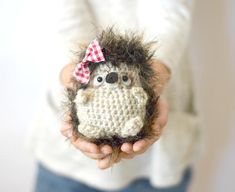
113 99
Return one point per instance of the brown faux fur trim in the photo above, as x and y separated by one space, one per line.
130 49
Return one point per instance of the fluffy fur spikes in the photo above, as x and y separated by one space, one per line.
130 49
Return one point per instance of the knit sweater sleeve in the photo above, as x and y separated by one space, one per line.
75 25
77 21
167 22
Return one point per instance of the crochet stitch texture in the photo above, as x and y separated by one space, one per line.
112 109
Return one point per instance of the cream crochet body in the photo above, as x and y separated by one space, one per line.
112 109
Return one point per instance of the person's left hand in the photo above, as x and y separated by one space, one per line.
128 150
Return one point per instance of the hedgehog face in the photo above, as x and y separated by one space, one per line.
114 103
109 76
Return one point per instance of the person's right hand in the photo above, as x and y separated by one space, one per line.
90 149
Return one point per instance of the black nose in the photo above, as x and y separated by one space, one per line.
112 77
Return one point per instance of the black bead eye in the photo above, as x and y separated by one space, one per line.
98 80
126 80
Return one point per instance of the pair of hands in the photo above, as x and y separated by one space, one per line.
128 151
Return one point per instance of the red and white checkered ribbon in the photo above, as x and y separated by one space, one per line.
93 54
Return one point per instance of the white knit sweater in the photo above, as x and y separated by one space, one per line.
168 21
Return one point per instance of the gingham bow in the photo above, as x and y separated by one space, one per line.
93 54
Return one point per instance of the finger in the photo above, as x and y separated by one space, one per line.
155 133
163 110
106 149
65 126
105 162
95 156
141 145
65 75
66 130
85 146
67 118
67 133
127 148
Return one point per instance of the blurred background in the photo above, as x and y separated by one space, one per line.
22 68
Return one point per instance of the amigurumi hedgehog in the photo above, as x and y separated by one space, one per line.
113 99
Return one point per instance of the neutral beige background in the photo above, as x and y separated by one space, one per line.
213 61
214 72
